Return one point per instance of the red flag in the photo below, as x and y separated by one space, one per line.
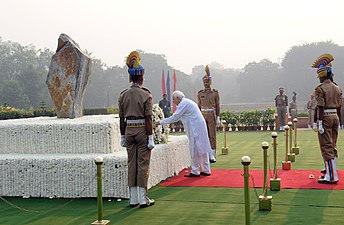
163 87
174 88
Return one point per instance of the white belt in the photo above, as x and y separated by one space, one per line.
207 110
136 121
330 110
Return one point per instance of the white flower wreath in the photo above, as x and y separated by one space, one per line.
160 132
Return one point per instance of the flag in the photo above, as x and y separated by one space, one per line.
163 87
168 90
174 88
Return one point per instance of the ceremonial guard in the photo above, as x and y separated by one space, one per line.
209 104
311 104
281 102
293 107
135 111
329 99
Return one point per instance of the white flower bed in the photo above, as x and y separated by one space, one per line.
49 135
69 171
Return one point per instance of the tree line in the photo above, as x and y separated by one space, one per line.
23 72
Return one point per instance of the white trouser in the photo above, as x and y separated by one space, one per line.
133 195
331 170
198 162
212 155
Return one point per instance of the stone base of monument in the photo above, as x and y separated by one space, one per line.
60 169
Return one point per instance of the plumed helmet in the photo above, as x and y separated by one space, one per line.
133 63
207 77
323 64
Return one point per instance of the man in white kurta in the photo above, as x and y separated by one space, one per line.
196 130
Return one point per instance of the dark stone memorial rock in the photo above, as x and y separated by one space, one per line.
69 73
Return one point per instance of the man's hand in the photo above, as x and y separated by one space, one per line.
123 141
150 144
321 129
218 121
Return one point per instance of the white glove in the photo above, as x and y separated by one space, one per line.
150 144
315 126
218 121
321 129
123 141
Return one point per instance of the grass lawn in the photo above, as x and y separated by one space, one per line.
193 205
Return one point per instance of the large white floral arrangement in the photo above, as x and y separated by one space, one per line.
160 132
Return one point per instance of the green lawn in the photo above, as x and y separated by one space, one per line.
192 205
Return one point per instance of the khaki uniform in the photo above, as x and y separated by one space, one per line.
281 104
209 104
311 105
135 104
342 114
329 96
293 110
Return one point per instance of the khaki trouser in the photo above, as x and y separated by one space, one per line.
328 140
138 156
311 117
281 111
211 126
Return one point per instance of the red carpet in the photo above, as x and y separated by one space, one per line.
233 178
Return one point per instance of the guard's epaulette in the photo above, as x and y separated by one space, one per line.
146 89
318 89
214 90
335 83
124 91
200 91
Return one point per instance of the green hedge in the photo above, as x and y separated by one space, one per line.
249 117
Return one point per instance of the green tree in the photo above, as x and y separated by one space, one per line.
12 93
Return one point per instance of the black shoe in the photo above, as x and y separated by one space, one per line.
212 160
205 174
133 205
192 175
322 181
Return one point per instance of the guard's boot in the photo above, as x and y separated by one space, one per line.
144 200
134 200
331 176
212 156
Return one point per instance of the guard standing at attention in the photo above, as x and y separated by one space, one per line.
329 99
209 104
135 112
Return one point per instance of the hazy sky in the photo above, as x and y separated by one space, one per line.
187 32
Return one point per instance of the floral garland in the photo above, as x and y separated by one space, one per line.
160 132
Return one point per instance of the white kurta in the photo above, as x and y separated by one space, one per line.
196 130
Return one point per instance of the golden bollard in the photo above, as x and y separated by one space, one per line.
246 161
296 148
224 149
265 200
291 155
275 182
286 164
100 221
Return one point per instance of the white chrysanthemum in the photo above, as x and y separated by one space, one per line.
160 132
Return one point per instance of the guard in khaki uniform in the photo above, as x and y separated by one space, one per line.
135 111
209 104
311 104
281 102
329 100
